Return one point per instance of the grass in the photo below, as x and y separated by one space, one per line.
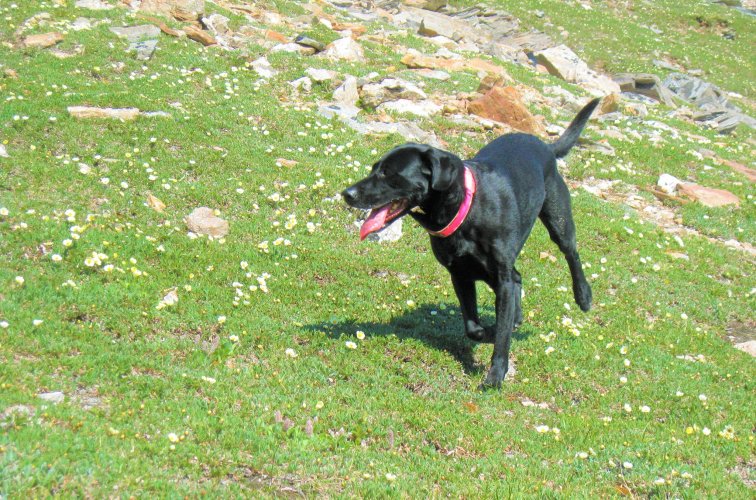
201 397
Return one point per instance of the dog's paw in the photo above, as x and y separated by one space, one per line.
583 296
483 335
494 378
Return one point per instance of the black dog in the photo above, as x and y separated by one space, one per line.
477 233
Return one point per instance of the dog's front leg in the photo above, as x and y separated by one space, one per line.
468 303
505 316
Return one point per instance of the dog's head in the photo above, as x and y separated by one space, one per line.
403 179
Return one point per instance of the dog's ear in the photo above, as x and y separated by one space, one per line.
445 168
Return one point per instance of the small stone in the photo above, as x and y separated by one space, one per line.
347 94
424 109
93 5
747 347
217 24
344 49
303 83
609 104
52 397
668 183
204 221
320 75
81 23
143 49
137 33
263 68
310 42
390 89
43 40
433 74
333 110
3 152
86 112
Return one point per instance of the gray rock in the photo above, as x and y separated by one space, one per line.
344 49
562 62
52 397
433 74
263 68
143 49
390 89
320 75
668 183
748 347
347 94
3 152
390 234
310 42
137 33
93 5
303 83
293 48
645 84
217 24
81 23
340 111
424 109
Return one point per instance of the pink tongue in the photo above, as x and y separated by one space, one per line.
375 221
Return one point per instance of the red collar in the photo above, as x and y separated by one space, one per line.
464 208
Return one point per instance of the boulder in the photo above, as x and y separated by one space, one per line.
137 33
347 93
143 49
424 108
203 220
503 104
415 60
645 84
562 62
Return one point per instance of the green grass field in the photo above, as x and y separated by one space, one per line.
300 361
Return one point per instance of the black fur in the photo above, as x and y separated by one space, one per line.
517 182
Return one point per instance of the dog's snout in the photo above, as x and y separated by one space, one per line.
349 195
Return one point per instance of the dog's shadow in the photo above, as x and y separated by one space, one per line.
437 325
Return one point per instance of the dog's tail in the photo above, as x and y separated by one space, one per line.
570 136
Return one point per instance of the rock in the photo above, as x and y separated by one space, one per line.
343 112
490 81
137 33
154 203
320 75
695 91
504 104
81 23
645 84
293 48
432 24
87 112
184 10
562 62
310 42
407 131
708 197
433 74
204 221
43 40
3 152
425 108
392 233
390 89
668 183
52 397
217 24
347 94
303 83
344 49
747 347
740 168
263 68
415 60
426 4
93 4
143 49
201 36
609 104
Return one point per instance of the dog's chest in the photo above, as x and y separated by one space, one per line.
461 254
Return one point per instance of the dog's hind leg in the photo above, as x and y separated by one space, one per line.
556 215
517 278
